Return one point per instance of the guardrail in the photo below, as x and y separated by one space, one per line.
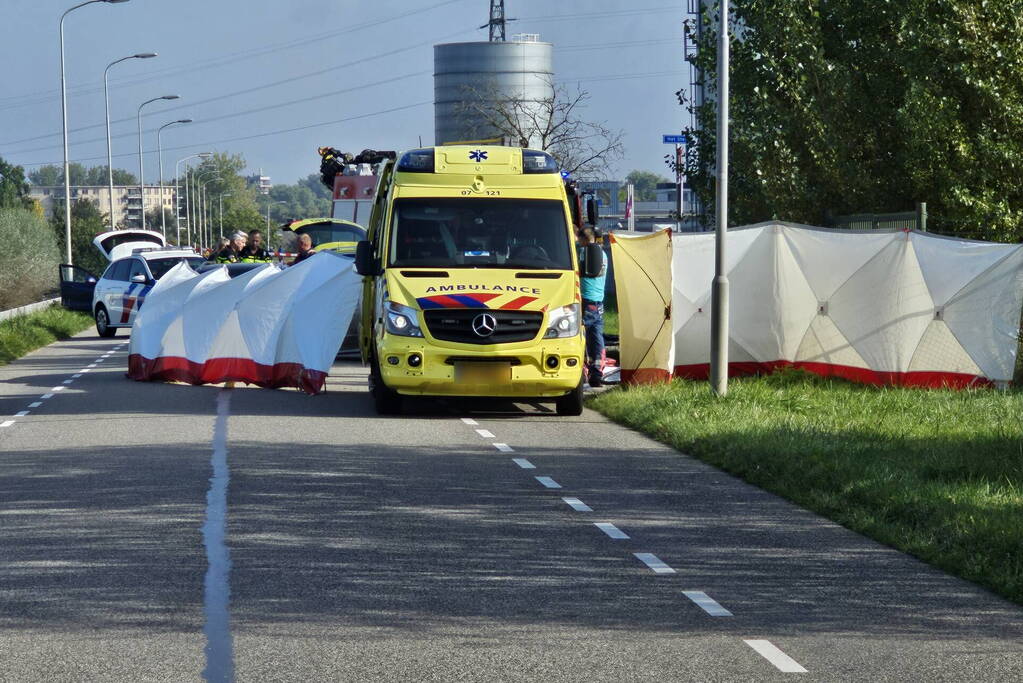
22 310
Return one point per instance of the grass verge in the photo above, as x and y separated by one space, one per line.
29 332
937 474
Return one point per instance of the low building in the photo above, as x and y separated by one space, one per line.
127 202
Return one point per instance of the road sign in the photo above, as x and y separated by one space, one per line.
674 139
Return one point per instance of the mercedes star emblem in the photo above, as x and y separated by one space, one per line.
484 325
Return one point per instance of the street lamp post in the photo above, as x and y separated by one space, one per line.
142 182
106 99
63 115
220 201
177 191
206 207
159 148
197 203
268 215
719 289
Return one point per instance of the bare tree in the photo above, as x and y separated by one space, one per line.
585 149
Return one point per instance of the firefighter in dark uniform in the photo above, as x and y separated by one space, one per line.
254 251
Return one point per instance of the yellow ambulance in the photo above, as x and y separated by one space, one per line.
471 283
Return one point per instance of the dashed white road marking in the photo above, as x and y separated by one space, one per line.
91 365
486 434
84 370
707 603
771 653
504 448
6 423
655 563
610 529
46 396
21 413
55 389
100 360
524 464
35 404
67 381
578 505
469 421
76 375
548 482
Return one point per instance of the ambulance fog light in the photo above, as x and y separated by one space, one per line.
552 362
571 362
415 360
393 360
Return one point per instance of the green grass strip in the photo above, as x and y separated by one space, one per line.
936 474
25 333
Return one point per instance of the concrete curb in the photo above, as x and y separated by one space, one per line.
22 310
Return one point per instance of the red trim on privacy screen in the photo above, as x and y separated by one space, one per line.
932 380
217 370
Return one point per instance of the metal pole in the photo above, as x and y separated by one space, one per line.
142 182
678 189
63 114
719 292
106 100
159 148
188 220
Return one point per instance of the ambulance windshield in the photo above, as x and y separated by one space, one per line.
471 232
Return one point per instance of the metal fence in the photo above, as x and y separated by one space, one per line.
905 220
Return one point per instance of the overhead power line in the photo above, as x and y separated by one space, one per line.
216 61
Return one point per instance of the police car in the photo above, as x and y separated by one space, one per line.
122 288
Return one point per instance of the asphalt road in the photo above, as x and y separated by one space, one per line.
158 532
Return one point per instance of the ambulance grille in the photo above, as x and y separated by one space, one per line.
455 325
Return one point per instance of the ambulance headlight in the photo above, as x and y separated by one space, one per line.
563 322
402 320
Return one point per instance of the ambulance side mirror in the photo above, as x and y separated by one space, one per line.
365 261
592 211
593 260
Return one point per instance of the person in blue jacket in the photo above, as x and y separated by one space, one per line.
593 314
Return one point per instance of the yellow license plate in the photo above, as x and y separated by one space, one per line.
483 373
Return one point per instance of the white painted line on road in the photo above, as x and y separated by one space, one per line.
504 448
610 529
92 365
85 370
771 653
46 396
707 603
469 421
21 413
100 360
58 389
485 433
654 562
524 464
548 482
216 584
7 423
578 505
35 404
67 381
76 375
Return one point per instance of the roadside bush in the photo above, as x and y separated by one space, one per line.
28 269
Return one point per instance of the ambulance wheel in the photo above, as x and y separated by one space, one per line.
103 327
386 401
572 402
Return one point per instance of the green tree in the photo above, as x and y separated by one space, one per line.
850 107
645 184
87 221
13 188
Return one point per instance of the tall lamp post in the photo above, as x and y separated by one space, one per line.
206 207
197 202
719 288
63 115
177 192
268 215
159 148
142 182
220 201
106 100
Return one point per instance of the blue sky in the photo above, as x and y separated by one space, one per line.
273 81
